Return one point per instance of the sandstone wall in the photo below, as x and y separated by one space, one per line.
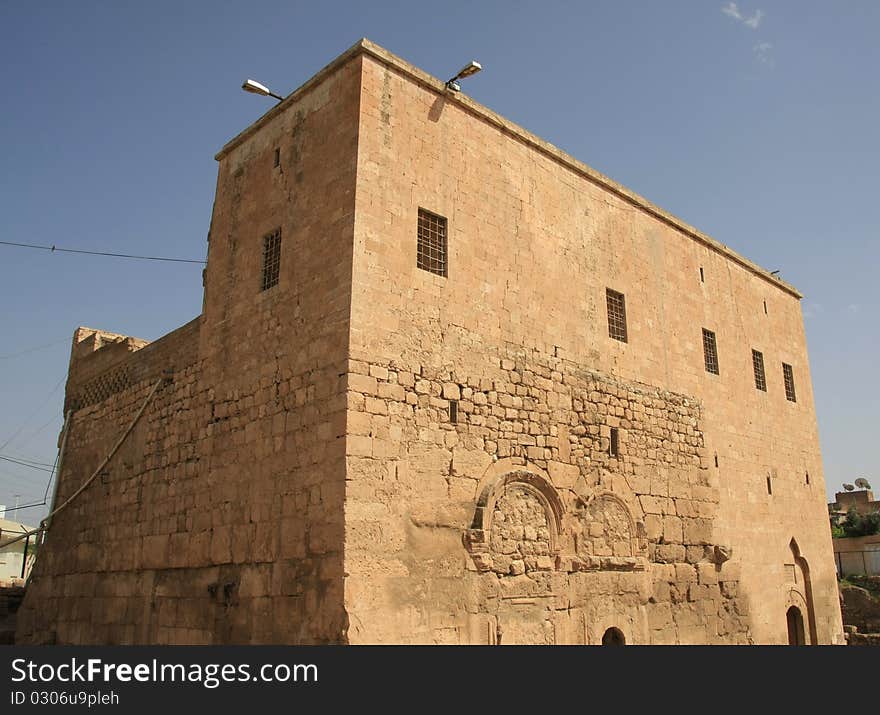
534 242
562 539
220 520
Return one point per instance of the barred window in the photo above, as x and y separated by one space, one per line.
710 351
758 365
788 378
271 259
431 254
616 314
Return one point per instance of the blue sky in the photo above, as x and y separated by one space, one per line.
757 122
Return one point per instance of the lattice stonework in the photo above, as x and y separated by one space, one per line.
758 365
710 351
616 314
431 254
100 388
271 259
788 379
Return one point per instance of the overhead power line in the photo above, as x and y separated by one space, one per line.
55 249
27 460
25 464
25 506
34 413
32 350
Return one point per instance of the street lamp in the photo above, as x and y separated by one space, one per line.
257 88
472 68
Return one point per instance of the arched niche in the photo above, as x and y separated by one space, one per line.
606 528
801 594
516 524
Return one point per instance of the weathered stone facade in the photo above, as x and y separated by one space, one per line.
368 452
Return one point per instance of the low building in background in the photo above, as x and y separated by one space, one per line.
856 556
16 554
862 500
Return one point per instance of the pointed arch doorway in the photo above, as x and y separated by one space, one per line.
796 633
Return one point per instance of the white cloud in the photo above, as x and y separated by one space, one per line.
755 19
762 53
732 10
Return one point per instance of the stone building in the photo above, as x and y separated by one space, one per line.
449 385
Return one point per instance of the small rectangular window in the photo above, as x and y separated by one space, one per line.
758 366
431 253
277 157
271 259
453 411
616 303
710 351
788 378
614 446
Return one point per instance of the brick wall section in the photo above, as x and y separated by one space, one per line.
534 242
220 519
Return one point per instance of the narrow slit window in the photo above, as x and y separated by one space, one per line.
769 486
716 459
271 259
758 366
788 379
765 307
277 160
431 253
453 411
710 351
616 314
807 478
614 446
702 276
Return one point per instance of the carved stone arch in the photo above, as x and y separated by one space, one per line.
607 528
516 496
804 589
538 484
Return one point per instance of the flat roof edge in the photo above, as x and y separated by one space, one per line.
364 46
355 50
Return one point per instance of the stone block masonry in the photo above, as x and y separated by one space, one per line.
562 540
350 449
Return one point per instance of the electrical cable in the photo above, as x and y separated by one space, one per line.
54 249
34 413
24 464
33 350
106 460
36 462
